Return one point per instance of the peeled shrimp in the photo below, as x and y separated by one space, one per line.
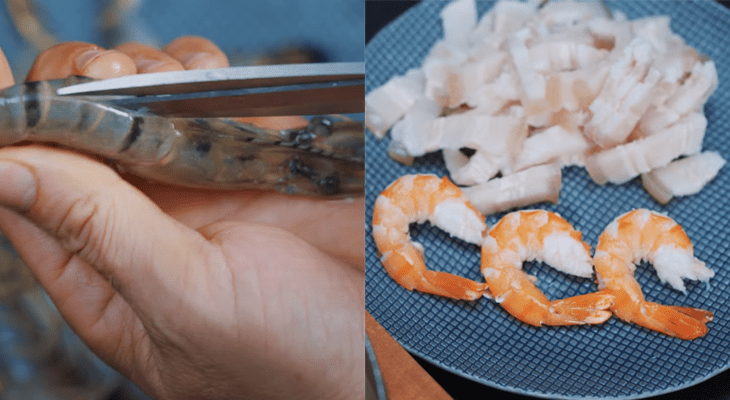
421 198
647 235
544 236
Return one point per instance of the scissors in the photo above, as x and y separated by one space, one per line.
250 91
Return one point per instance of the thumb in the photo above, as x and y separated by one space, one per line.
96 216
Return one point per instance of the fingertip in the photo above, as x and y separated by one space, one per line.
18 185
195 52
148 59
106 64
6 74
58 62
80 58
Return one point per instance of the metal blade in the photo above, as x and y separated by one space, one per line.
207 80
303 99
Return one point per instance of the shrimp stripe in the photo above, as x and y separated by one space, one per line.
31 104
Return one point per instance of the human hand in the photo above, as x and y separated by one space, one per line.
190 293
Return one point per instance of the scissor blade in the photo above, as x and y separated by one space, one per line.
206 80
302 99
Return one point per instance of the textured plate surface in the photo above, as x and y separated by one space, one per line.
481 341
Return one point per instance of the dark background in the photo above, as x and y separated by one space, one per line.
378 13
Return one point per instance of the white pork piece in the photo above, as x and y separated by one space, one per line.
486 71
442 70
682 177
471 170
696 89
554 144
534 84
673 57
625 162
459 19
385 105
625 97
492 97
496 134
655 30
579 88
524 188
495 138
611 34
412 136
564 56
570 13
688 97
507 16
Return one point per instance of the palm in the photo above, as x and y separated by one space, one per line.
270 281
238 292
290 251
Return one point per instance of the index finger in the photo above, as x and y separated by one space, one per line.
195 52
6 75
80 58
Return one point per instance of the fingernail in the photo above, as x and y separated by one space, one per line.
17 186
147 66
199 60
85 58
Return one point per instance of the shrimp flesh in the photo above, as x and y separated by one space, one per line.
646 235
421 198
325 158
544 236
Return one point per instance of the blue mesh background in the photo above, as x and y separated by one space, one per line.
482 342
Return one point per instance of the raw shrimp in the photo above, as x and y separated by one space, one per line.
647 235
324 158
544 236
421 198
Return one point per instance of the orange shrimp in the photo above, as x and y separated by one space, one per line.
418 198
544 236
646 235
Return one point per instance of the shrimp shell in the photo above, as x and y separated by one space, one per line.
421 198
647 235
324 159
545 236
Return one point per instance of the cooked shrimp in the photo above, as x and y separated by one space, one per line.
544 236
647 235
421 198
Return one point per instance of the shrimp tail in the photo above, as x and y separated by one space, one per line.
682 322
406 267
696 313
452 286
591 308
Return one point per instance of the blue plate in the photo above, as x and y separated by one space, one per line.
479 340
